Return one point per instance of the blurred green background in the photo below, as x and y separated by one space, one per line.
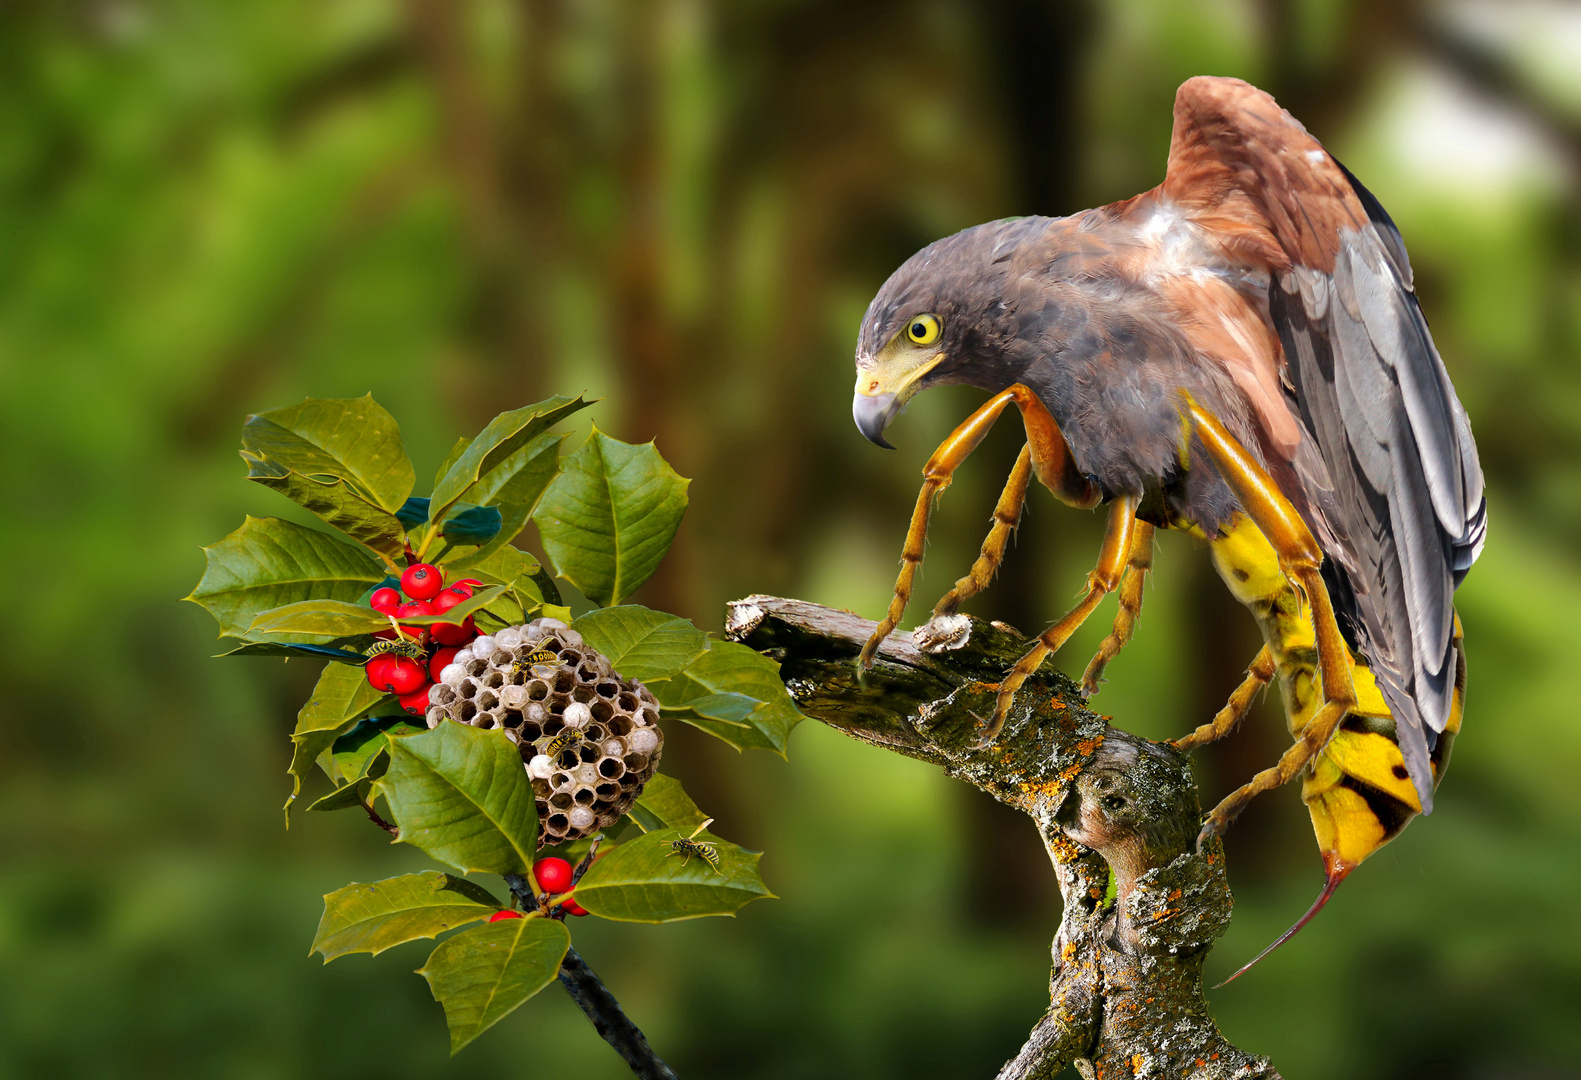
465 205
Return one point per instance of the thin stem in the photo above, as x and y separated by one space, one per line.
611 1022
374 817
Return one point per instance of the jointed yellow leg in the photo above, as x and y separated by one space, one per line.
1007 515
1050 459
1131 588
1258 675
1299 559
1112 559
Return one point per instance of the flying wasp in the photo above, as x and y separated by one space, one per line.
688 847
541 663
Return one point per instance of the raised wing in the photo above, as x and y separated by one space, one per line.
1399 486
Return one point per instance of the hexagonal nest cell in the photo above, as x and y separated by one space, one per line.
588 738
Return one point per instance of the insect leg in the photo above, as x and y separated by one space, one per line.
1101 581
936 476
1300 559
1007 515
1130 608
1258 675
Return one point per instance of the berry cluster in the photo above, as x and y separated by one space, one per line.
554 876
408 673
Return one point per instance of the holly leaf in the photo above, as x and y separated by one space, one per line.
458 614
334 500
493 448
320 618
353 439
269 563
354 794
461 795
513 490
481 975
644 880
641 643
667 806
377 916
303 648
341 696
353 754
610 516
733 693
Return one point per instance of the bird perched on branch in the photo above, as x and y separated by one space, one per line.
1237 353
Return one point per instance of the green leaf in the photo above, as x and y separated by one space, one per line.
670 806
504 565
474 526
513 489
354 794
641 643
334 500
456 451
320 618
495 446
734 693
353 753
458 614
643 880
462 795
373 917
481 975
341 696
288 649
268 563
353 439
609 518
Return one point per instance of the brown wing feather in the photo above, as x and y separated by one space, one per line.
1398 486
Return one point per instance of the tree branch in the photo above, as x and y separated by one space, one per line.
594 999
1126 989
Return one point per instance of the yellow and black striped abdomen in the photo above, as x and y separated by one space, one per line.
1357 789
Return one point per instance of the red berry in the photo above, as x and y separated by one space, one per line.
460 591
471 583
410 610
437 662
422 582
571 907
403 676
416 702
453 633
449 599
378 671
554 875
499 915
385 601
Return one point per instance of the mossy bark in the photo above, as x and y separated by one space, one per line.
1126 990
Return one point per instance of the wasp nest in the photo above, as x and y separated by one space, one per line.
589 738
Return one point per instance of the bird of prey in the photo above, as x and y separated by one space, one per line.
1238 353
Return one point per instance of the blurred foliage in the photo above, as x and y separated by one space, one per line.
207 209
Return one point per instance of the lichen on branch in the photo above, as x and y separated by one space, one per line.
1126 996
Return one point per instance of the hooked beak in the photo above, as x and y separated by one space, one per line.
873 414
884 384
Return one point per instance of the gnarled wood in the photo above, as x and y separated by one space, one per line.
1126 993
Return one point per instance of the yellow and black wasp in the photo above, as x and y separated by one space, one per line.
403 646
541 664
688 846
562 742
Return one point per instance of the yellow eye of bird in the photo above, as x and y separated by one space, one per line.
923 329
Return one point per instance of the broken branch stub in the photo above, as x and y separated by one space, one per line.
1126 988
